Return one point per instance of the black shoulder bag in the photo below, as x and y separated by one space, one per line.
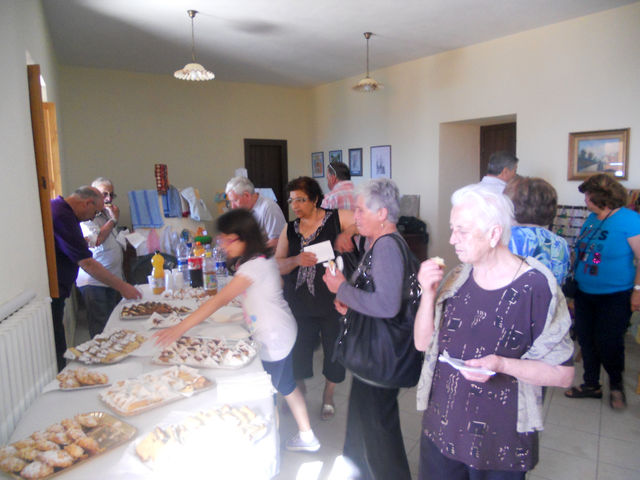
381 350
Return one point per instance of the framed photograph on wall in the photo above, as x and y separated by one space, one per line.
603 151
317 164
355 162
335 156
381 161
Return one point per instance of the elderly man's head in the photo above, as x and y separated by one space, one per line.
241 193
86 202
105 187
337 172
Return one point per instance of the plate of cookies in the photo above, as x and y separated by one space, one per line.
72 379
64 445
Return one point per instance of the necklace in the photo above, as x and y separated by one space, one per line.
517 271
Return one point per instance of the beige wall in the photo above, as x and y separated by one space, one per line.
120 124
22 33
577 75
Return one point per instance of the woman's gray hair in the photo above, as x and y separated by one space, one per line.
239 185
382 193
490 208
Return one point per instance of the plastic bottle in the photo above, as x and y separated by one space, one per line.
182 255
221 265
209 279
157 273
195 269
198 249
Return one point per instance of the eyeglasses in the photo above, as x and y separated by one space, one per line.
297 200
109 194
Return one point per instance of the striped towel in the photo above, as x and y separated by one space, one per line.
171 203
144 208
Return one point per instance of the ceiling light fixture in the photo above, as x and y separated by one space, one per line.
367 84
193 71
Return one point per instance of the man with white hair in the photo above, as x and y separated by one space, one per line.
100 234
241 194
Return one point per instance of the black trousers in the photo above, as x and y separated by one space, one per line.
57 312
601 322
374 439
434 466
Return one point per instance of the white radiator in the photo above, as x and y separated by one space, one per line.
27 357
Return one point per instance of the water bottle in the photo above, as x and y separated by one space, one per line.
182 254
221 265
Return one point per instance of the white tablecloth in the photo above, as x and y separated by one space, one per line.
259 461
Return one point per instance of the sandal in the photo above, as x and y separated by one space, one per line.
583 391
328 411
617 400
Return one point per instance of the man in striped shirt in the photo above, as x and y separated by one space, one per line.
342 190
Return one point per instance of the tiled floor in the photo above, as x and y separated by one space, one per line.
583 439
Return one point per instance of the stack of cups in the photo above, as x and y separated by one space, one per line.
168 280
177 279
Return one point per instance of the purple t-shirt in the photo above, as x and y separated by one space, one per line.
475 423
71 247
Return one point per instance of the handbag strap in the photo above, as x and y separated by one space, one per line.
579 253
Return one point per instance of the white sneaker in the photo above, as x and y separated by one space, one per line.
296 444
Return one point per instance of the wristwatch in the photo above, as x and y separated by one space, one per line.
636 287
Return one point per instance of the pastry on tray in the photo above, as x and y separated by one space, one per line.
106 347
145 309
207 352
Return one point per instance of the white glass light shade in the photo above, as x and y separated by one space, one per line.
367 84
195 72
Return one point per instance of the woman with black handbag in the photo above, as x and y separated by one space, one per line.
377 296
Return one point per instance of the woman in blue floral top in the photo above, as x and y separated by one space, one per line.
535 201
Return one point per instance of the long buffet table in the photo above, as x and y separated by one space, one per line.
220 459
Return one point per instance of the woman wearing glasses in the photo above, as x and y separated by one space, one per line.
308 296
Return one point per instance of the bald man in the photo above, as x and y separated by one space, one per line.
72 252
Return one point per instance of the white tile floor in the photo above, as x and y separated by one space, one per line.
583 439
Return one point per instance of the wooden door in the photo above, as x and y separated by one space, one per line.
494 138
45 182
267 167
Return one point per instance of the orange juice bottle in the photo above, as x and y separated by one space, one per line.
157 274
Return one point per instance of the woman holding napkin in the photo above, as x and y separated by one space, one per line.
267 314
505 320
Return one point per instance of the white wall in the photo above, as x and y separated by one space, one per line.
577 75
120 124
22 30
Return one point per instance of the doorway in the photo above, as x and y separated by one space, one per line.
495 138
267 167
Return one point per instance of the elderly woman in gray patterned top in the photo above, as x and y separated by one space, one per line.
506 318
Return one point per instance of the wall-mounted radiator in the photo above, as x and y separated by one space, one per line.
27 356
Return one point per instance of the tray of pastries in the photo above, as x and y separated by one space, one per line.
106 347
142 311
153 389
207 352
64 445
80 378
230 423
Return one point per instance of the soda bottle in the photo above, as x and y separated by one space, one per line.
210 282
195 269
157 273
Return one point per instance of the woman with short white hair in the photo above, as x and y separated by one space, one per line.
505 319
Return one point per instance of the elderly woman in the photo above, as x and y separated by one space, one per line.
608 285
304 290
506 320
373 438
535 201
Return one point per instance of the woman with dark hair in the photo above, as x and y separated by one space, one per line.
608 285
308 296
267 314
535 201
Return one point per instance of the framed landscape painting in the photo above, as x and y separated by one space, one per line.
355 162
381 161
604 151
335 156
317 164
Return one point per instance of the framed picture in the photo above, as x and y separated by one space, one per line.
381 161
604 151
317 164
335 156
355 162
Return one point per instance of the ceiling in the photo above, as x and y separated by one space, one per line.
297 43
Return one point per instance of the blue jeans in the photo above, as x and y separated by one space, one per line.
100 302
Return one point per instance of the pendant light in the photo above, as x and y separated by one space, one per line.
193 71
367 84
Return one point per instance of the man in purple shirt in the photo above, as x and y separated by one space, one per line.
72 252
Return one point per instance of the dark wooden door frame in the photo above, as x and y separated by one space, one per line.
284 163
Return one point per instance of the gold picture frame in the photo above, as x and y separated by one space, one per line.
603 151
